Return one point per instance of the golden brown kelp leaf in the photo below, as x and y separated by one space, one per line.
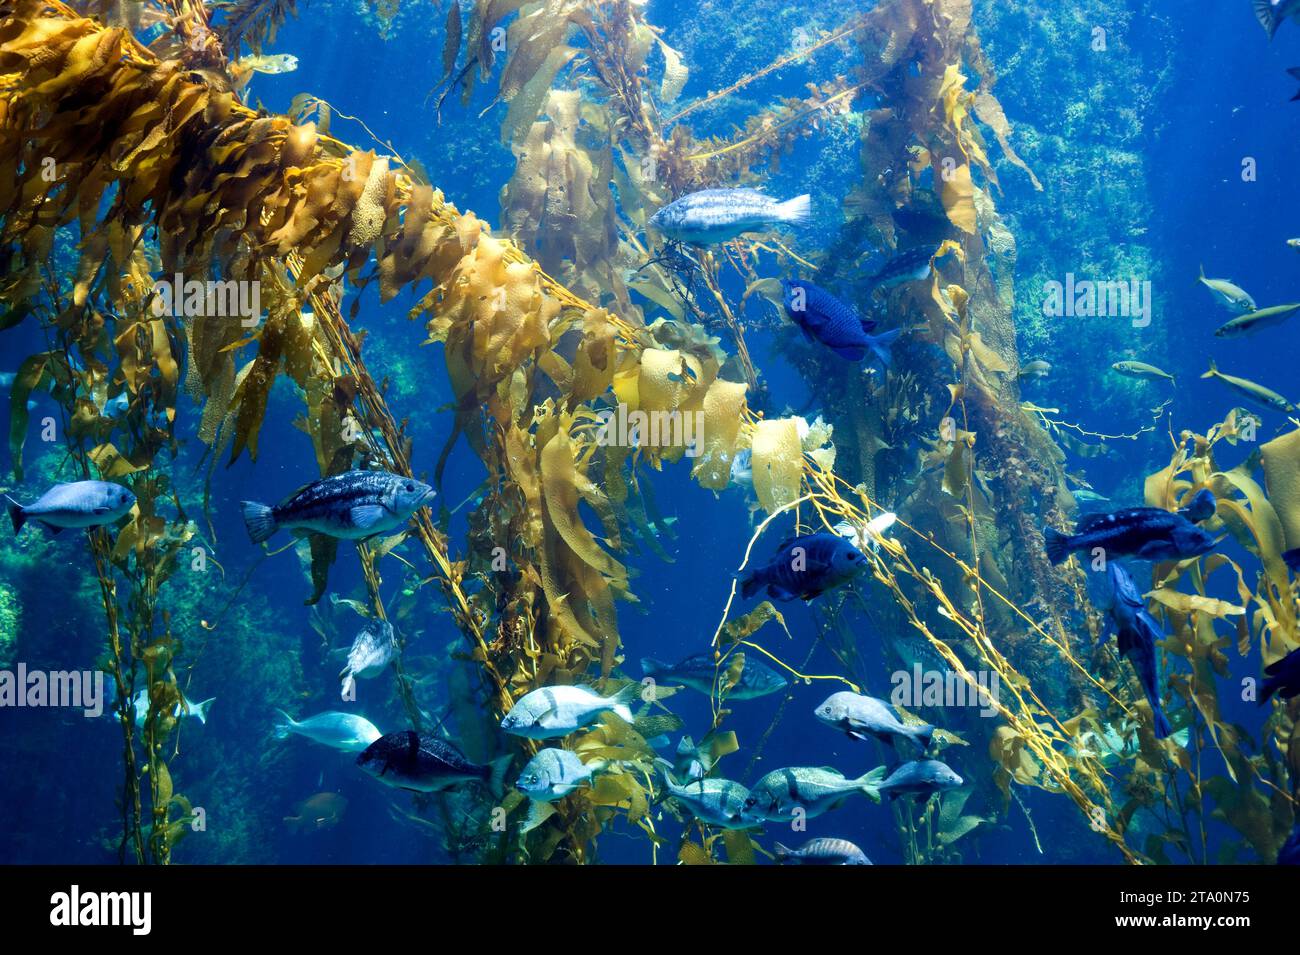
723 409
1281 460
33 373
777 460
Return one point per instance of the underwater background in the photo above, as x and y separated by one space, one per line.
1105 140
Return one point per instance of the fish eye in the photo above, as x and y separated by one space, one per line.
410 487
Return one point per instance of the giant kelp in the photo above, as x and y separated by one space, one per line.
144 141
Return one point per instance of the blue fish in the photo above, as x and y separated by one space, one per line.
1201 508
1138 632
824 318
1148 533
806 567
1283 678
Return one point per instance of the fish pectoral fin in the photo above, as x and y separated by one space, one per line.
366 516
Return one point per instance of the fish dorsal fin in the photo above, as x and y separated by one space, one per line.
1090 521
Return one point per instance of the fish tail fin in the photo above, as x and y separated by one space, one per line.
870 783
1162 727
1201 276
282 730
665 770
1214 370
651 667
259 519
924 735
796 211
15 513
1057 545
200 710
781 852
882 345
1264 13
496 778
620 700
1270 686
750 585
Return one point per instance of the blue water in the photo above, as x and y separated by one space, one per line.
1219 100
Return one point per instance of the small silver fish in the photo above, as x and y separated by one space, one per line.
1255 393
555 711
1035 370
784 794
79 504
864 716
822 852
1140 369
711 216
1228 295
182 710
717 802
342 731
1252 322
921 777
554 773
372 650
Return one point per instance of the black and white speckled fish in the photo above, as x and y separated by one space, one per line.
353 505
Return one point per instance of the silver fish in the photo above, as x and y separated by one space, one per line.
1228 295
864 716
353 506
342 731
183 708
822 852
1255 393
555 711
554 773
1256 321
717 802
79 504
372 650
785 794
1140 369
921 777
712 216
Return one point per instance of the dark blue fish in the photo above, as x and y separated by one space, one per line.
1292 558
1290 852
1200 508
353 505
805 567
424 763
1148 533
911 265
1138 633
825 319
1283 678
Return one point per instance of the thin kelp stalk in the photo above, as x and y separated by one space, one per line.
100 548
